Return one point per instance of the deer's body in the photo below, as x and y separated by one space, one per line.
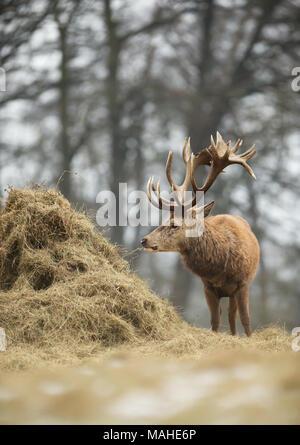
225 255
226 258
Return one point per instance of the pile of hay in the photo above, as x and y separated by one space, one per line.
65 291
60 280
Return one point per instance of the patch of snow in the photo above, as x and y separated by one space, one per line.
53 388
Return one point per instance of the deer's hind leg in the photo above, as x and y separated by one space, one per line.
214 305
242 297
232 311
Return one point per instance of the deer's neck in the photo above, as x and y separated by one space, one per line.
206 254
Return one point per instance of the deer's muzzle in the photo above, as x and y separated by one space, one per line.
145 244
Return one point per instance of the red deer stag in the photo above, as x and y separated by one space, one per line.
226 254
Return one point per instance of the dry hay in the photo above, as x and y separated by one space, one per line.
66 294
60 280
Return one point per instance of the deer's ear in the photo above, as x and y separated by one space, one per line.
207 208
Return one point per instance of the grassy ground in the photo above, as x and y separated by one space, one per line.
190 343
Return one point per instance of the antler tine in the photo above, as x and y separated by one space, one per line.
219 138
168 169
237 145
201 158
249 153
162 203
180 189
194 166
186 155
150 183
186 150
212 175
212 141
243 158
248 168
149 192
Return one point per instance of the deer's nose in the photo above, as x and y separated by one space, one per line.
143 241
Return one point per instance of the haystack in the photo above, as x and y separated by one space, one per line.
60 280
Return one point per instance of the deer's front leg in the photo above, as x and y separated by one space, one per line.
214 307
242 297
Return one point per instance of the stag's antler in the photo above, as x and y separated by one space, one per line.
218 156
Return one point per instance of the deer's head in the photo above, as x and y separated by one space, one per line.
185 215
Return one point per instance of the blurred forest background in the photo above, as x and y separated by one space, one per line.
103 89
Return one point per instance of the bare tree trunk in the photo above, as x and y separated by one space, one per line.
65 185
114 109
66 149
